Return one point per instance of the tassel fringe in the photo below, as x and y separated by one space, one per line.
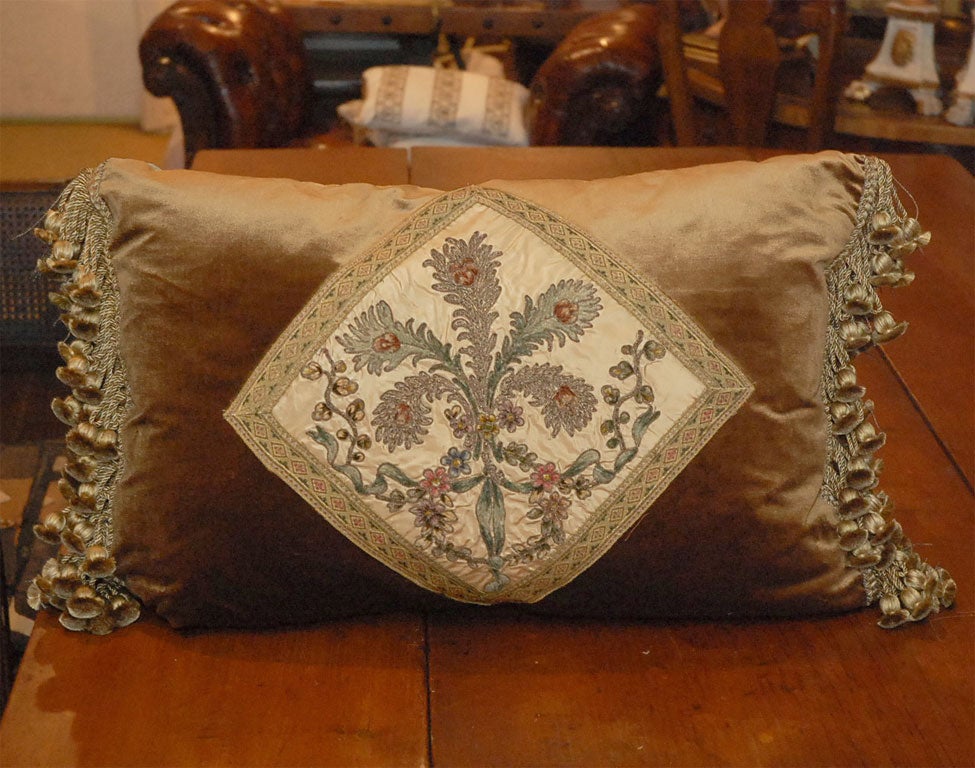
906 588
80 581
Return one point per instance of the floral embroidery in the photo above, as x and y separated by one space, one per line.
487 385
500 364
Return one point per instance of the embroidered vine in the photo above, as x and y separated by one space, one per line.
481 390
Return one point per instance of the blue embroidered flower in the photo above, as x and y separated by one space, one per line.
456 462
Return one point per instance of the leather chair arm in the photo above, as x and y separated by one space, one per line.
235 69
598 86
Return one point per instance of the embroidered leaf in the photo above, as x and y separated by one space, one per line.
586 459
565 311
566 401
378 342
525 487
490 517
403 414
624 458
465 484
602 475
466 272
391 470
320 436
643 421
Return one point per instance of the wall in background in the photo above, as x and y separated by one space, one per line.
75 60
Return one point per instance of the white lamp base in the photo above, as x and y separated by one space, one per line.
906 58
962 112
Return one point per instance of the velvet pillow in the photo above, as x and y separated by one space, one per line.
625 397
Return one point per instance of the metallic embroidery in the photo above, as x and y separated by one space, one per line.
487 400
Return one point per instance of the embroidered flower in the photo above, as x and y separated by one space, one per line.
545 476
356 410
387 342
622 370
566 311
344 386
402 414
312 371
517 454
654 350
555 507
510 416
431 516
435 482
610 394
321 412
487 425
579 485
644 395
459 422
395 500
464 272
564 396
456 462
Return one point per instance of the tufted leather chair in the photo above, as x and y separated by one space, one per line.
235 69
237 72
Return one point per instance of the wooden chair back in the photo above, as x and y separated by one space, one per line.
756 40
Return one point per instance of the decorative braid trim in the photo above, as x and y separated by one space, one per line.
80 581
907 588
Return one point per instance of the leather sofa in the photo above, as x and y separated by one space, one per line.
240 75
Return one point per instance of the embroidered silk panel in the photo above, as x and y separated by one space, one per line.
487 399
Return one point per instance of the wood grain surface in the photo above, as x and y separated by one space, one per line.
351 693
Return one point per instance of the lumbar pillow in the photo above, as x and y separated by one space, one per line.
449 106
624 397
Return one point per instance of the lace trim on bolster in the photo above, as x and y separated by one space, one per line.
906 588
80 581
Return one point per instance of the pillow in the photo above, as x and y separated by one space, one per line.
451 104
629 397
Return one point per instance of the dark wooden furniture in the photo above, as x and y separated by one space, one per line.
503 688
752 61
249 73
774 93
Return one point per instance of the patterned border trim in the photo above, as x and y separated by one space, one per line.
445 100
250 413
497 107
390 94
907 588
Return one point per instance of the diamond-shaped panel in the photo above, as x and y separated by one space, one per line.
488 400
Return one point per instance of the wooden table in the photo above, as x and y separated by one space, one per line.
510 690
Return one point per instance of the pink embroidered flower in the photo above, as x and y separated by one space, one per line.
566 311
435 482
388 342
402 414
464 272
564 396
545 476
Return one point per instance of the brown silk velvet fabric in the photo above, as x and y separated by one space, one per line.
211 269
